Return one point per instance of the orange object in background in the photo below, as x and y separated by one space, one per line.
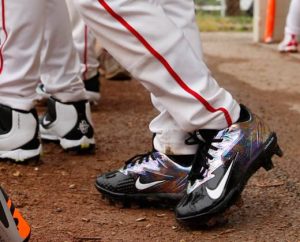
270 21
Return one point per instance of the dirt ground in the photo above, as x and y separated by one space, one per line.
60 202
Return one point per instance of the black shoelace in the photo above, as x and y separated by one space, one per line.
138 159
200 163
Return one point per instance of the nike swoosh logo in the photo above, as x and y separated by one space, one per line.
143 186
46 122
217 192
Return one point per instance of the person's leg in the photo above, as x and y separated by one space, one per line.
62 81
123 28
169 136
84 41
21 41
141 36
68 118
232 142
292 29
85 44
293 18
182 14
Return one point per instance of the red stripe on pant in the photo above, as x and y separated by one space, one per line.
85 54
164 62
5 33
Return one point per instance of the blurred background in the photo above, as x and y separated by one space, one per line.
243 16
225 15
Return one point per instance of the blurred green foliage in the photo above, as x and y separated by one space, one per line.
207 2
209 22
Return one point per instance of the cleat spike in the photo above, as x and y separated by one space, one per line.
240 202
218 220
268 164
278 151
111 201
118 204
126 204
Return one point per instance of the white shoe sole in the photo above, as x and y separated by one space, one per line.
290 49
21 155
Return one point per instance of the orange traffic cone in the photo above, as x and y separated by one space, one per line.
270 20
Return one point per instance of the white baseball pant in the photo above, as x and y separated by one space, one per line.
154 41
293 18
85 43
34 45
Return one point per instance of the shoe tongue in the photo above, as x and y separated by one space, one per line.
208 134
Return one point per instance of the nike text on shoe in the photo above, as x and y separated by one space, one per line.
13 227
146 178
92 87
19 135
70 124
223 165
289 44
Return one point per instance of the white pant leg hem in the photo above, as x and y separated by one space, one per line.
175 149
71 96
15 103
173 143
292 30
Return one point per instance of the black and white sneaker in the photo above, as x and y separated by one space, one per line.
19 135
146 178
223 165
70 124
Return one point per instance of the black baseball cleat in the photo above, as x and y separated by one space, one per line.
13 227
19 135
70 124
223 165
146 179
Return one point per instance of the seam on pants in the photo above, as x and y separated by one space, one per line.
164 62
5 33
85 54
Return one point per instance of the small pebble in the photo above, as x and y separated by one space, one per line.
17 173
140 219
72 186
